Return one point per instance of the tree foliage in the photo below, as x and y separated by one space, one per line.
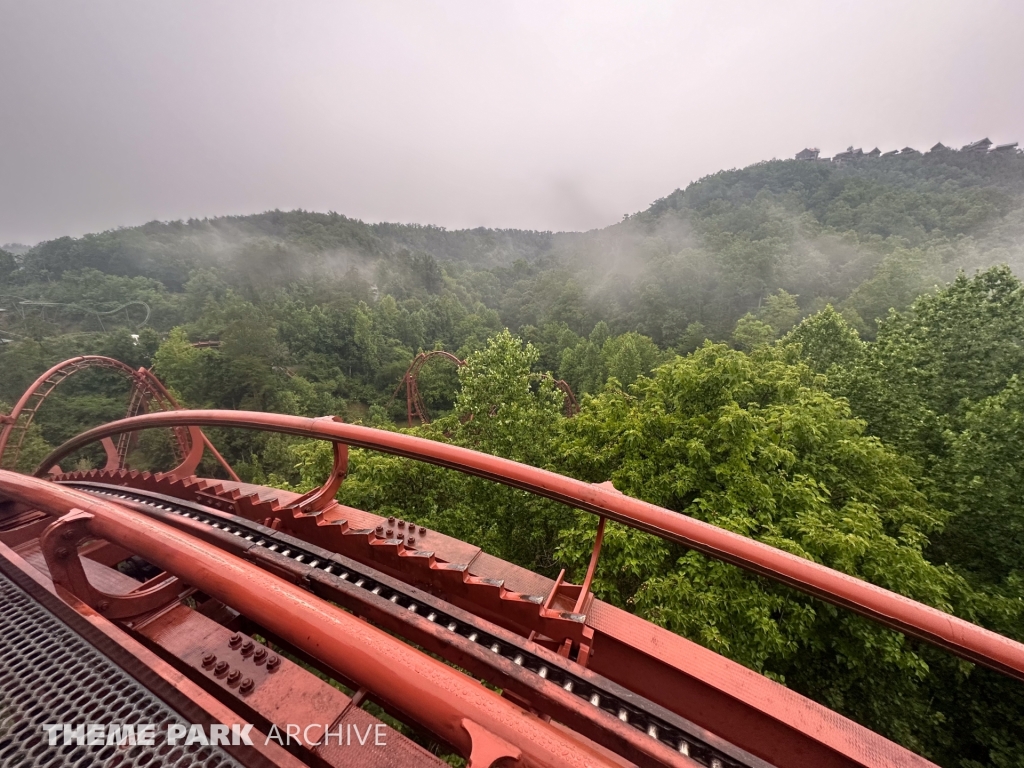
869 417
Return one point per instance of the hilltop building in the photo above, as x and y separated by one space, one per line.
981 147
977 146
849 154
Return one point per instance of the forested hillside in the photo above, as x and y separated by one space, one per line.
826 357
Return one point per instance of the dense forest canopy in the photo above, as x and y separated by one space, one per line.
826 357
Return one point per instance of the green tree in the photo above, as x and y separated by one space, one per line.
8 265
780 312
502 408
755 444
630 356
181 367
952 349
751 333
983 476
827 342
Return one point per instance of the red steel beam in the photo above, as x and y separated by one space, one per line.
737 704
957 636
478 722
158 385
141 380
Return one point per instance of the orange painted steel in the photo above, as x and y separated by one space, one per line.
478 722
43 386
414 406
146 388
959 637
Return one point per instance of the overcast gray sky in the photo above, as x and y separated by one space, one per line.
544 115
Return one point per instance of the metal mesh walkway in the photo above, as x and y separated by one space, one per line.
50 674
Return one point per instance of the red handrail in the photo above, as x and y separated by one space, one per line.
957 636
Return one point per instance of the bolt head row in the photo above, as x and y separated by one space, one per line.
401 524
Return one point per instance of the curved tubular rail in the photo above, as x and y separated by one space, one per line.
957 636
481 724
36 390
414 405
143 382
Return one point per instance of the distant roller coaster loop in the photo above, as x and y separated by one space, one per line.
417 409
146 391
21 303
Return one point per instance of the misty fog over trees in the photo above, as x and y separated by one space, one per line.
826 357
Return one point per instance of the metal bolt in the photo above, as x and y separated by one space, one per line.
247 647
423 531
67 534
401 523
380 530
234 677
61 552
260 655
273 663
102 605
246 686
390 531
412 541
235 641
401 536
221 669
209 659
391 519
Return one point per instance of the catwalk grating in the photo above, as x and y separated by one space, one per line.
49 674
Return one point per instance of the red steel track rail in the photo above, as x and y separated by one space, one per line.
145 388
959 637
481 724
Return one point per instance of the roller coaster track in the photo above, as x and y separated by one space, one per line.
22 303
146 391
413 620
416 409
